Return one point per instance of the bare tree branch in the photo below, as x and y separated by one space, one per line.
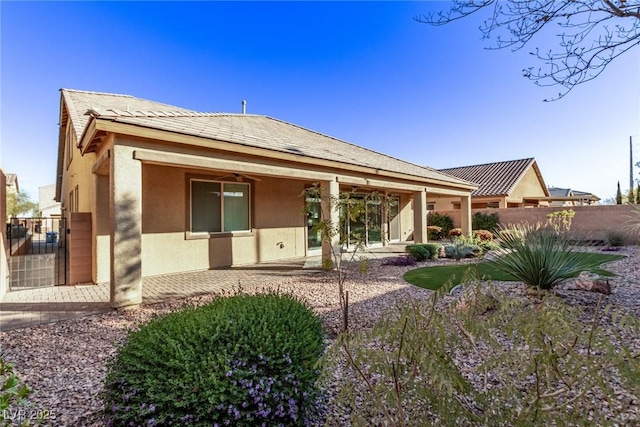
592 34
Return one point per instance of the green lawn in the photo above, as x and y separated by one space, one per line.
435 277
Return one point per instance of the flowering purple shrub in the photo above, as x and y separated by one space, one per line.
246 360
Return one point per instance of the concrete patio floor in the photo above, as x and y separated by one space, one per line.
32 307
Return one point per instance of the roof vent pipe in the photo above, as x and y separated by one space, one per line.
244 107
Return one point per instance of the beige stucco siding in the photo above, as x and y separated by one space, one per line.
528 186
278 225
279 219
406 217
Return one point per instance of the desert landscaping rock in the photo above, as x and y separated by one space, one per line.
65 362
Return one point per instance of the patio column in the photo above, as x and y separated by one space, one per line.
465 215
125 220
419 217
385 222
330 191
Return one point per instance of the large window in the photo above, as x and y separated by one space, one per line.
219 206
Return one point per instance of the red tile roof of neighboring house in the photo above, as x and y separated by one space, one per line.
496 179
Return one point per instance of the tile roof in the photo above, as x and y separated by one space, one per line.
78 102
560 192
494 179
585 194
243 129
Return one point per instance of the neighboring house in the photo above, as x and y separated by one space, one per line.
47 204
12 183
166 189
569 197
509 184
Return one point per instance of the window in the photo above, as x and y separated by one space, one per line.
73 200
219 206
70 139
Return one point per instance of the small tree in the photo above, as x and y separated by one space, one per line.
618 195
20 204
351 209
631 197
638 194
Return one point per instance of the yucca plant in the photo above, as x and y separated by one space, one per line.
541 257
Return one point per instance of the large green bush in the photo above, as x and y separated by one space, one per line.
443 221
484 221
243 360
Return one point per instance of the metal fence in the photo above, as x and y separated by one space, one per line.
37 252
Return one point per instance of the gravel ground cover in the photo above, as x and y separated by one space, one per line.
64 363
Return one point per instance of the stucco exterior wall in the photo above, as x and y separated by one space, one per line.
406 217
591 222
278 225
529 186
167 246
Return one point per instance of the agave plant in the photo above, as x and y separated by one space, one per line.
461 247
540 257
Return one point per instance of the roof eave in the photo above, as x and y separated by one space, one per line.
98 124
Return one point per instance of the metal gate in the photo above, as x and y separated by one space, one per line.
37 252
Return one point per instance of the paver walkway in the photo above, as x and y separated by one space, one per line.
31 307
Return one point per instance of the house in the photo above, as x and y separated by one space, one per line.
508 184
569 197
12 183
158 189
47 204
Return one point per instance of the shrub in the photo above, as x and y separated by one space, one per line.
434 250
483 221
240 360
424 251
443 221
13 397
400 261
561 220
615 238
469 363
419 252
461 247
434 232
455 232
483 235
540 257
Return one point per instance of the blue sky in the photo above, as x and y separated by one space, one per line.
367 73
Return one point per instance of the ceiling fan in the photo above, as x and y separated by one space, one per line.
238 177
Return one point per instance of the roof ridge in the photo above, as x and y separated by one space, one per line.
116 112
91 92
349 143
528 159
118 95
